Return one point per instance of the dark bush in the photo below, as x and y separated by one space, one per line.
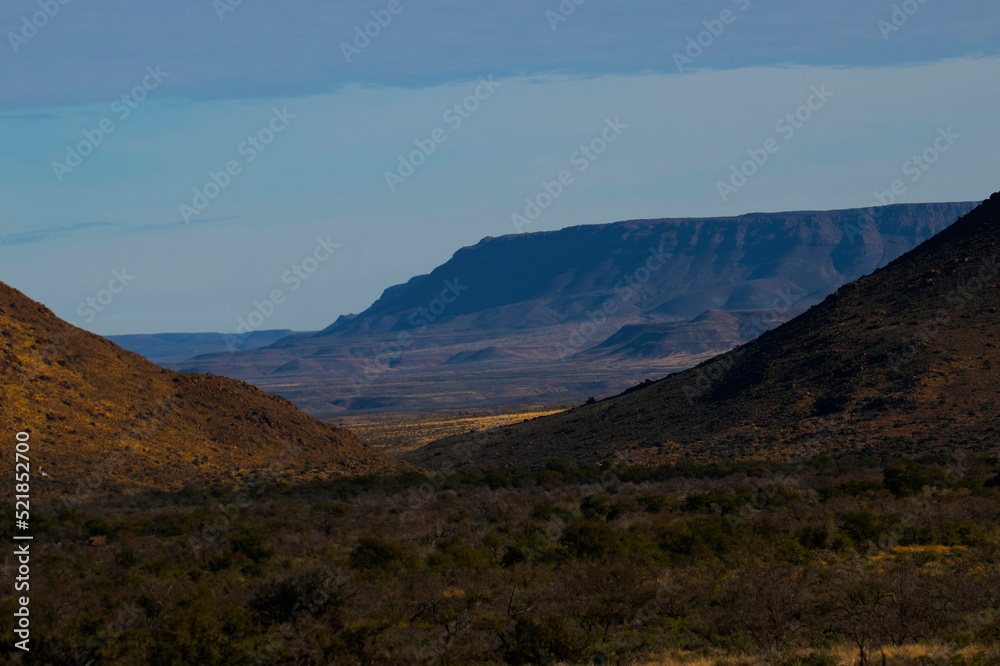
904 481
868 527
653 502
252 544
381 555
543 640
595 507
587 539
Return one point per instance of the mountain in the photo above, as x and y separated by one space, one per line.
100 417
539 301
163 348
664 269
905 360
712 330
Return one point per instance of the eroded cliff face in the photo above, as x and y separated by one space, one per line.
553 318
905 360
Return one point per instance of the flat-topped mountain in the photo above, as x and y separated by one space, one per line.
665 270
905 360
100 417
555 317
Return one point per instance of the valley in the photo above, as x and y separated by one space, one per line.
551 319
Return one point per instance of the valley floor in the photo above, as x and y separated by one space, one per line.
401 433
809 563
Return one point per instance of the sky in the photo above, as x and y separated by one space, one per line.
175 167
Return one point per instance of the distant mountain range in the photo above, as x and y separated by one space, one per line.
905 360
555 317
163 348
659 270
100 418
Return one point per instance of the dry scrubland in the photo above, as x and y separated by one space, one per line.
813 563
397 434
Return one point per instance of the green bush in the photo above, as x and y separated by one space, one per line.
595 507
653 502
381 556
716 500
904 481
252 544
545 510
453 552
587 539
866 526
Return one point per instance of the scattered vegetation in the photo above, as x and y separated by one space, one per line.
831 561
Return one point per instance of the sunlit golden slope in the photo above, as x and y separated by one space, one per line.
104 418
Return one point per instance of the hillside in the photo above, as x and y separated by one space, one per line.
538 301
905 360
710 331
101 417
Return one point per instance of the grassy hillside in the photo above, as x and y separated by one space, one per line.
103 418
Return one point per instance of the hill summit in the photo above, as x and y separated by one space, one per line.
100 417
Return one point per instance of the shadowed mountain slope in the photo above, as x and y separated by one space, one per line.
712 330
905 360
667 270
101 417
539 300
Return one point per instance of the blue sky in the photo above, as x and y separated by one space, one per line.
165 97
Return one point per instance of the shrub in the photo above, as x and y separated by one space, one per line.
594 507
588 539
545 510
281 599
453 552
912 479
716 500
867 526
381 556
543 640
251 544
652 502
